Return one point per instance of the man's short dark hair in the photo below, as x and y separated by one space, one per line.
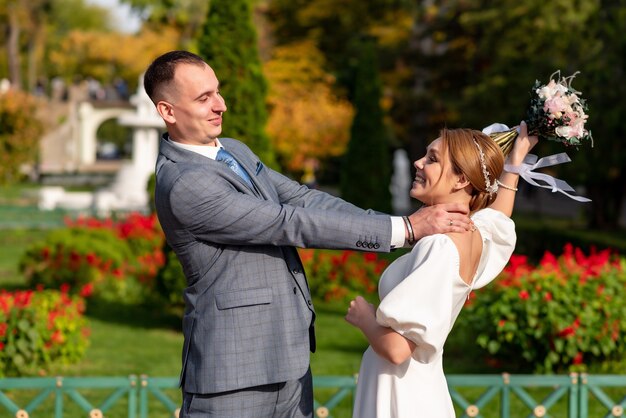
162 69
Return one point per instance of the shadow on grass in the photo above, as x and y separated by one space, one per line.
140 316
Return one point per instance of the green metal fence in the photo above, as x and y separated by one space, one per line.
504 396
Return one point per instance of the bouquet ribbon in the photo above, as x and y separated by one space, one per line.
532 162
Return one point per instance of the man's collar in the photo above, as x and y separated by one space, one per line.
208 151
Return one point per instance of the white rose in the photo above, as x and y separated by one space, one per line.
544 93
563 131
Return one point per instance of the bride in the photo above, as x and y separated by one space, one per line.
422 293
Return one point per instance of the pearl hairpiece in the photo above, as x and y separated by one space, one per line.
489 186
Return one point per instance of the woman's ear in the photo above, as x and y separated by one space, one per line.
461 182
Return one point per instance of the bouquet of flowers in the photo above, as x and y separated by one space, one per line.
556 112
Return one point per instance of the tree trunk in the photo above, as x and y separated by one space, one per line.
13 47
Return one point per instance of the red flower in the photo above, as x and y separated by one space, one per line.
578 358
1 346
87 290
92 259
549 261
523 294
501 323
64 288
567 332
547 297
370 257
518 265
57 337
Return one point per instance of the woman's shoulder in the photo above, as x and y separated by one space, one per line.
440 244
491 215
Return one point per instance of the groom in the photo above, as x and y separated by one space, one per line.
234 225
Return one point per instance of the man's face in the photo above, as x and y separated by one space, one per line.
193 107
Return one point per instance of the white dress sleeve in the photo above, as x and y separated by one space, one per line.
498 233
420 306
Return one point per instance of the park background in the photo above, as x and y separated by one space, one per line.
325 91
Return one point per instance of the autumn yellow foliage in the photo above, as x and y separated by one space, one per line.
308 119
20 130
105 56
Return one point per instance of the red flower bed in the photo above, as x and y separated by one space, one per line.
342 275
116 259
568 313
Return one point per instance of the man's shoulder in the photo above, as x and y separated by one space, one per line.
236 145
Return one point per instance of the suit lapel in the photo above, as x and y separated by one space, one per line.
180 155
254 167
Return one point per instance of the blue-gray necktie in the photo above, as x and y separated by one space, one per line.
227 157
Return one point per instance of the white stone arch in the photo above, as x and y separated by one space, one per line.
90 118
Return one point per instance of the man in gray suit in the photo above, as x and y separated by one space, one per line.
234 225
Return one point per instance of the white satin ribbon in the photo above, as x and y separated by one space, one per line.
497 127
531 162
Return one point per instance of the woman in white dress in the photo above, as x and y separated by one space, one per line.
422 292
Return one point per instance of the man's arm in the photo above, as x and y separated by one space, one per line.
426 221
215 212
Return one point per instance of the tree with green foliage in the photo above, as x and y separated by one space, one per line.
477 61
602 169
184 16
229 44
366 166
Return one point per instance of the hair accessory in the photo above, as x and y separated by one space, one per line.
504 186
491 188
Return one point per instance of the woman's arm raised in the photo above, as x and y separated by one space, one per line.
508 181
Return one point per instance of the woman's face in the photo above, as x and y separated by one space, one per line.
434 179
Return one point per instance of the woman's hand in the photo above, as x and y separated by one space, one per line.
384 341
522 146
361 313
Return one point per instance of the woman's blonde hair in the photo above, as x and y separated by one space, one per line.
464 147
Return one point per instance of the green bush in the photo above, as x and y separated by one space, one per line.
38 329
566 314
171 281
81 260
342 275
113 260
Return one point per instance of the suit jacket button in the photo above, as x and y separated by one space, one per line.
370 245
296 271
376 246
359 243
309 302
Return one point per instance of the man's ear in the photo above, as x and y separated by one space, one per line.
461 182
166 110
